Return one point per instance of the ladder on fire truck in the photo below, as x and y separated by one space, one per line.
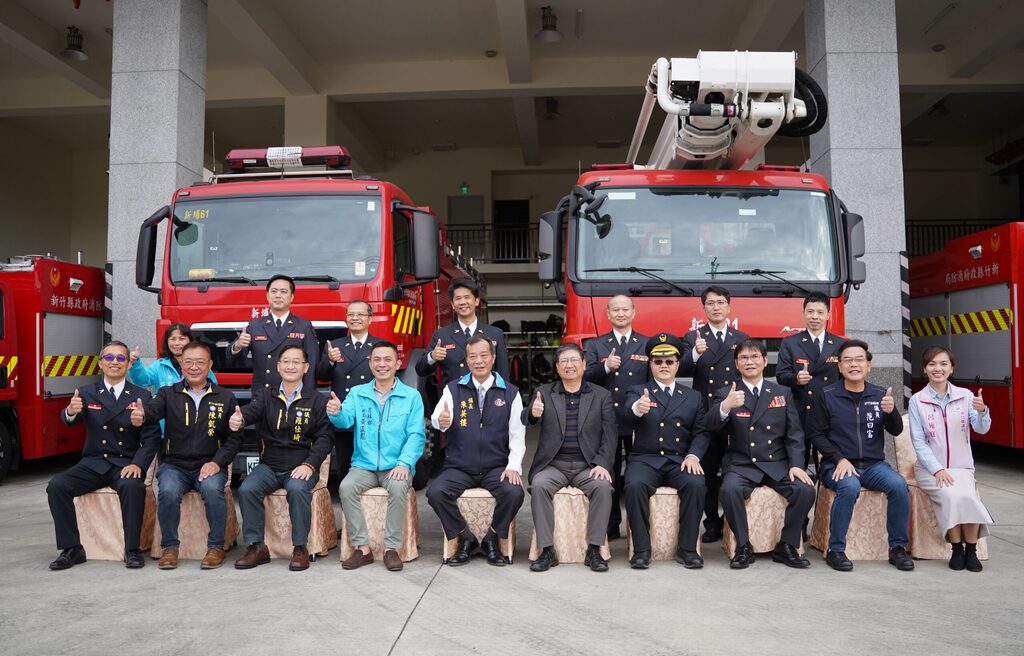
723 107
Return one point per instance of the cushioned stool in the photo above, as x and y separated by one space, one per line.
99 521
570 534
664 516
477 507
323 531
375 509
193 528
867 537
926 538
766 513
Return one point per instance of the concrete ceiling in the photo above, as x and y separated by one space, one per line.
416 74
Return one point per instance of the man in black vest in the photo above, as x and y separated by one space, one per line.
708 357
670 439
616 361
346 363
482 414
266 337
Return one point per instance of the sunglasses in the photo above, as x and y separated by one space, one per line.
664 361
110 357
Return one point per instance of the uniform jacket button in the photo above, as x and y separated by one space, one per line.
810 393
751 428
728 369
661 424
616 405
462 364
346 390
662 452
348 376
661 439
616 389
753 460
769 456
677 439
268 371
266 384
120 444
106 455
808 407
630 373
826 377
711 382
678 423
712 368
767 427
104 427
270 357
769 441
103 441
120 429
751 444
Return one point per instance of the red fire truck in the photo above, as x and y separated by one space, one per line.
51 330
301 212
964 298
660 233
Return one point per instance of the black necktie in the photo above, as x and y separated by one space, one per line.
357 345
468 333
668 391
278 322
113 394
622 342
720 336
817 344
754 392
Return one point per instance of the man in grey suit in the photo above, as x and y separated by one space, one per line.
578 436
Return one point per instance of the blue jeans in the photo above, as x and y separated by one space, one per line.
879 476
173 482
261 482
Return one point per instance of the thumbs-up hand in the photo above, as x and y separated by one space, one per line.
244 340
613 362
888 403
333 352
134 355
75 406
439 352
138 416
700 345
643 406
978 403
444 420
537 407
334 405
734 399
236 422
803 376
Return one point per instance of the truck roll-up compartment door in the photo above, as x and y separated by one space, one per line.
70 352
980 331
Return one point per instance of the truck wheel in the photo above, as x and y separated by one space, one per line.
6 450
422 475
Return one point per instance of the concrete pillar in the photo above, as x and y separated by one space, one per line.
308 121
157 113
851 52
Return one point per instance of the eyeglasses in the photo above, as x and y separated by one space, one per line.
718 303
858 360
359 315
664 361
110 357
292 363
752 357
564 361
199 362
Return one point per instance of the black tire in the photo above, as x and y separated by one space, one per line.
6 450
422 475
807 90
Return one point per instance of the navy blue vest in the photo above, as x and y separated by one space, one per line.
479 443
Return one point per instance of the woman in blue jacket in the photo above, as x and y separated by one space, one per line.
166 370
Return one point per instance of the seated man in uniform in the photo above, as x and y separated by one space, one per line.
295 438
765 447
669 439
116 454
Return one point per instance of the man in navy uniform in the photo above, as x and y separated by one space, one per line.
765 447
708 356
615 361
116 454
808 360
448 343
669 441
266 337
346 363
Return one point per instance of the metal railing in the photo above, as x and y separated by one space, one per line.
485 242
927 236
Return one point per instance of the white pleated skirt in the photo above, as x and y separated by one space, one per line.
957 504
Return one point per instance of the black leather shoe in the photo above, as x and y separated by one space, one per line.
712 533
971 561
744 556
957 560
69 558
899 559
134 560
594 561
640 560
545 561
493 553
465 551
787 554
689 559
838 561
614 533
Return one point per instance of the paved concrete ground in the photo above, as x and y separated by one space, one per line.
102 608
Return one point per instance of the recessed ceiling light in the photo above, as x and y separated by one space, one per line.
490 54
938 47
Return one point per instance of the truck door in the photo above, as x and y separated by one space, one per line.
8 345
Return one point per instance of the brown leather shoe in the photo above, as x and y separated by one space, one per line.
357 560
213 559
169 558
255 554
300 559
392 561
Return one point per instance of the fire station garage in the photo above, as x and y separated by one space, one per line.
487 112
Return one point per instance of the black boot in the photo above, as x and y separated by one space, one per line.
971 557
956 560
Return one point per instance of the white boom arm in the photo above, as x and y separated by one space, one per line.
723 107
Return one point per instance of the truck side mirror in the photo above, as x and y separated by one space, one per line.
426 242
145 254
856 246
549 247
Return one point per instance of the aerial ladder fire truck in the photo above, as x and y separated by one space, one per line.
690 217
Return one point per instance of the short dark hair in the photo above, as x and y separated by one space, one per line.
165 348
854 343
281 276
751 345
464 283
291 348
114 342
384 344
815 297
564 348
715 289
476 339
933 352
198 345
369 308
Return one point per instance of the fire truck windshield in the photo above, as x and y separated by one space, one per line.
225 241
691 234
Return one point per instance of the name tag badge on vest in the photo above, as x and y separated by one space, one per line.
259 338
744 415
448 346
95 406
803 361
296 335
499 402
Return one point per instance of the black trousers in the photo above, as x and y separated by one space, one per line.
344 445
712 465
81 479
642 478
443 495
736 490
622 450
